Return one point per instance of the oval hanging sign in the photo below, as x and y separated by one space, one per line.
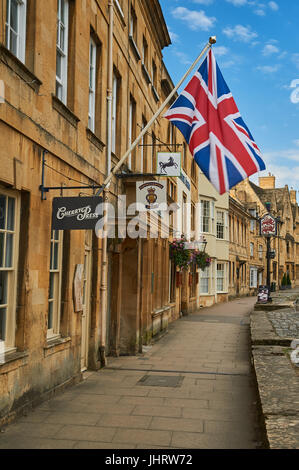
268 226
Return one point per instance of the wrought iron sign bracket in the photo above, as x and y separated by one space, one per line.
45 189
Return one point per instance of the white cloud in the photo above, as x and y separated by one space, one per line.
260 12
270 49
283 164
277 156
203 2
296 142
273 6
240 33
237 3
183 58
196 20
173 36
268 68
284 174
220 51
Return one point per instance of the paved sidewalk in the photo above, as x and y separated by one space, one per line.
192 389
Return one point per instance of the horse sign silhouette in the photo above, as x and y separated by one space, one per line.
169 164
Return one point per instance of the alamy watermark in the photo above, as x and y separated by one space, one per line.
295 93
134 221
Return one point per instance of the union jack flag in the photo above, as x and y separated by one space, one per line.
219 140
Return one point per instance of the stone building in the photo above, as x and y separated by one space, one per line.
281 203
66 68
239 229
214 280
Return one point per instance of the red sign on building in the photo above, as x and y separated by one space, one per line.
268 226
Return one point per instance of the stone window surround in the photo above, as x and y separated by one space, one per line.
20 69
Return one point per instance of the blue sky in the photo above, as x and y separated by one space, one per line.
258 53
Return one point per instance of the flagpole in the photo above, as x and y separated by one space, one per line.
212 41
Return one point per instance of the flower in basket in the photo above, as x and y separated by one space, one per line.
179 254
201 259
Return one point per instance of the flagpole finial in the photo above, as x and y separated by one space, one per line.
213 40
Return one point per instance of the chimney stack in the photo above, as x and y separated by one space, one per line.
293 196
267 182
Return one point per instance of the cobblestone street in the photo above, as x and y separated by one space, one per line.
192 389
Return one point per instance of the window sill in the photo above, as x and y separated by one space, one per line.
95 140
13 360
160 311
135 48
64 111
20 69
56 345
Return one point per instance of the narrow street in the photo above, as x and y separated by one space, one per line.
193 389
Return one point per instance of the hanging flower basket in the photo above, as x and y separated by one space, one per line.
201 259
180 255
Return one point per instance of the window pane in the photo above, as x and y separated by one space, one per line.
14 15
58 90
2 211
61 39
11 214
9 250
58 64
55 256
50 316
2 323
13 42
62 11
3 287
1 249
51 285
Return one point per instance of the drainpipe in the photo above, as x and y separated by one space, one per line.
104 274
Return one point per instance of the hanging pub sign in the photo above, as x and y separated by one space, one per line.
75 213
169 163
268 226
151 194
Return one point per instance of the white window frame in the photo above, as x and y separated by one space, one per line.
21 28
253 278
11 271
260 251
205 215
220 223
62 49
56 273
92 84
252 221
205 281
220 278
251 249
